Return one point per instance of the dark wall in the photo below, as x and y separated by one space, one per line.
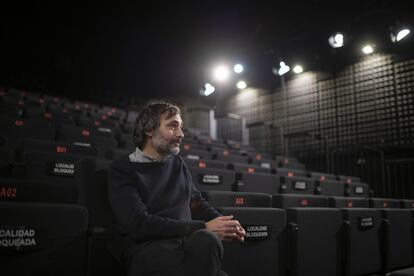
349 122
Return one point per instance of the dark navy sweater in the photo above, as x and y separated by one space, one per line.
156 200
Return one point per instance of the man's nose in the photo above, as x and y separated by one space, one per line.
180 133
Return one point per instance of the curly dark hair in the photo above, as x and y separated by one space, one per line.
149 119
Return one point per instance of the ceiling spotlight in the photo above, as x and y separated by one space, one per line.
298 69
368 49
221 73
283 68
241 85
395 37
238 68
336 40
209 89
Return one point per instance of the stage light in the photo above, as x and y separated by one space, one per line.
221 73
238 68
209 89
400 35
368 49
298 69
241 85
336 40
283 68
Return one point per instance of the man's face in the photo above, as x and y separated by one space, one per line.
167 138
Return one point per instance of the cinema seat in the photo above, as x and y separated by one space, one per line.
349 179
51 239
192 145
297 185
237 199
348 202
263 252
289 164
7 157
58 147
291 201
3 141
45 191
195 154
407 203
16 129
291 172
356 189
100 260
315 243
230 158
258 183
384 203
102 138
248 168
328 187
264 162
207 179
398 239
224 151
321 176
362 241
205 163
118 153
60 168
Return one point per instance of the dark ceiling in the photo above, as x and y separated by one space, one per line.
155 49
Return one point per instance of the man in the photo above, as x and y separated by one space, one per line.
165 226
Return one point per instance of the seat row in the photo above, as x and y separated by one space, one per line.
292 240
316 240
56 218
216 175
284 201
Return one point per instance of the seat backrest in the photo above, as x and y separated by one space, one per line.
258 183
237 199
205 163
196 154
330 187
297 185
291 201
61 168
398 238
265 233
58 147
16 129
288 164
348 202
291 172
248 168
362 240
207 179
265 163
407 203
315 230
321 176
384 203
42 239
29 190
231 158
357 189
7 157
349 179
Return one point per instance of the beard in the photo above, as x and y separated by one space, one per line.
165 146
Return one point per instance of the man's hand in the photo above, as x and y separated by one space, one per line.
226 228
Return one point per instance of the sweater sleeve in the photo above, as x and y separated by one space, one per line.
132 213
200 208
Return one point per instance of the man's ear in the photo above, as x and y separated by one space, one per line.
149 132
